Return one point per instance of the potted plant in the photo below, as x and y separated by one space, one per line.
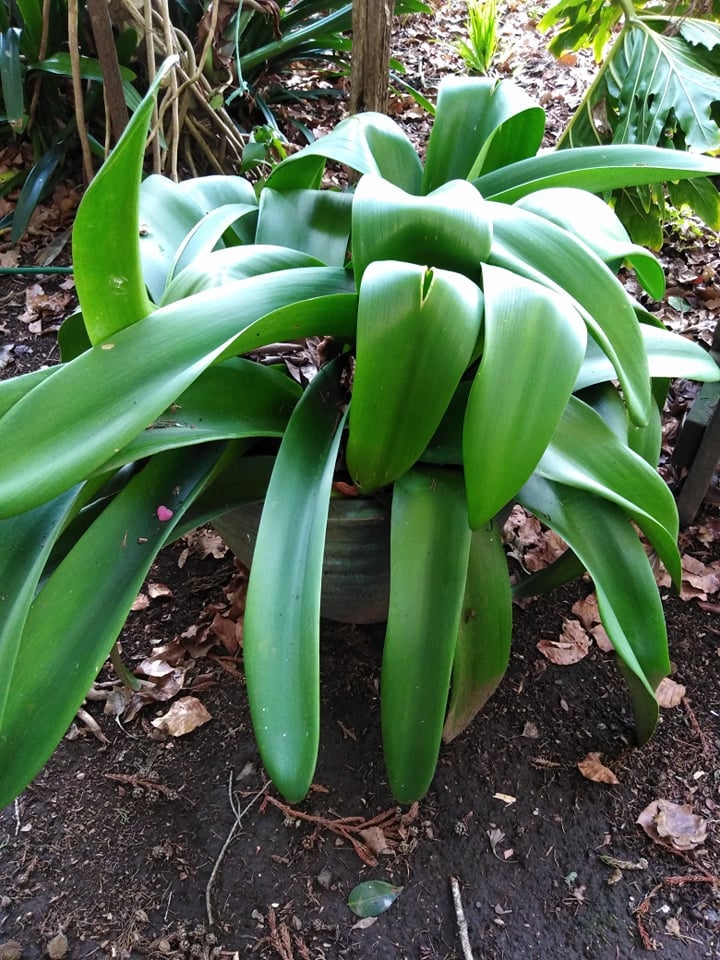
484 354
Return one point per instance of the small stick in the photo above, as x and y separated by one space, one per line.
228 840
461 921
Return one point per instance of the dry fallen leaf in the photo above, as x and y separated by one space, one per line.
184 716
374 839
673 826
669 693
586 610
572 647
592 769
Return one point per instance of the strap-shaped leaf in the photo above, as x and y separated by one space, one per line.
366 142
282 616
535 248
429 546
483 645
480 124
91 407
70 629
108 276
668 354
416 330
534 344
234 399
628 600
317 222
584 452
592 220
207 234
596 169
449 228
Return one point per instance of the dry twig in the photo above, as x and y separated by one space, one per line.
461 921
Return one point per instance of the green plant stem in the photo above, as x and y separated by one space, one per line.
29 271
122 671
628 9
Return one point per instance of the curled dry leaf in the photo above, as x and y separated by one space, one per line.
375 840
669 693
572 646
184 716
673 826
592 769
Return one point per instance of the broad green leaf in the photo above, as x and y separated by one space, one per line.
207 234
565 568
449 228
15 389
535 248
90 69
415 327
282 616
11 79
628 599
71 630
669 355
373 897
25 544
90 408
366 142
429 547
480 124
34 188
483 645
701 196
592 220
586 453
596 169
219 267
317 222
234 399
108 276
534 343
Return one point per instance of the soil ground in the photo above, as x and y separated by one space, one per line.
132 844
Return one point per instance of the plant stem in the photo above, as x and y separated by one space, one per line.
122 671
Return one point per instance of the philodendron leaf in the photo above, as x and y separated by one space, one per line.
628 600
593 221
373 897
533 347
449 228
282 616
429 546
108 272
480 124
70 630
483 645
416 327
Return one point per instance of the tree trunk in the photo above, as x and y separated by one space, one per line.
372 24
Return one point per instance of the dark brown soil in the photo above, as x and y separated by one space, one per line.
118 847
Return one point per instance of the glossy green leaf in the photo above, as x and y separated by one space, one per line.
592 220
207 234
480 124
234 399
90 408
372 897
429 547
282 616
449 228
71 635
366 142
219 267
11 79
534 344
668 354
317 222
586 453
628 599
90 69
108 276
535 248
483 645
565 568
25 544
596 169
415 327
34 188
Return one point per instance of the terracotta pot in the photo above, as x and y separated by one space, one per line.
356 567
